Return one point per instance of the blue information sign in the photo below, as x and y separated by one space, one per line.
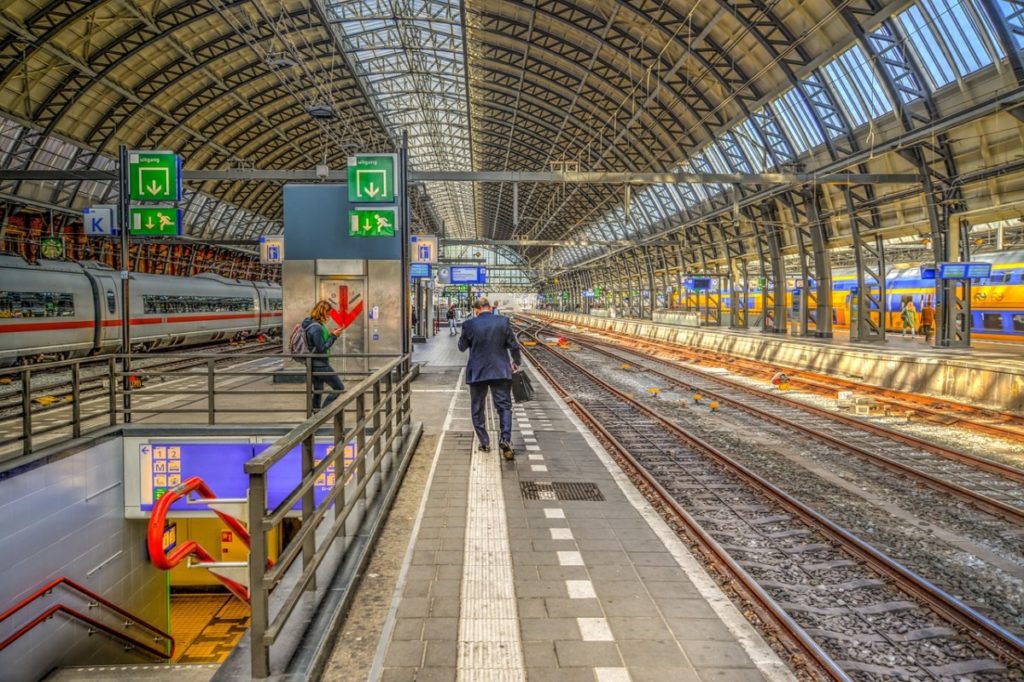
163 465
419 271
700 283
965 270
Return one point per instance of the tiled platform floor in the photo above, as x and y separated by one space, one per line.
602 589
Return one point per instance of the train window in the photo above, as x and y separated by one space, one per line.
111 302
161 305
36 304
1000 278
992 321
1018 323
275 304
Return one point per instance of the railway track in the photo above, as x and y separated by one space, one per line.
853 612
57 394
933 410
990 486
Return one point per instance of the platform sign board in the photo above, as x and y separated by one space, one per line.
154 176
423 249
100 221
371 178
965 270
372 222
419 271
271 250
164 464
154 222
465 274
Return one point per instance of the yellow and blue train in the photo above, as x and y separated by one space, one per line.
997 302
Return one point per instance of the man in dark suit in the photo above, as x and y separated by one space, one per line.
490 341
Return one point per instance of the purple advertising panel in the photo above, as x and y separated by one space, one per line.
221 465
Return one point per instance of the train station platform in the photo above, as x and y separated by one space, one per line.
987 375
549 567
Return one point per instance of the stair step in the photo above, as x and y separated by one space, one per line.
182 672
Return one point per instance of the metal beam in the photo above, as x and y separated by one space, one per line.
591 178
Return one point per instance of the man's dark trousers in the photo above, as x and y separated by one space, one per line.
501 395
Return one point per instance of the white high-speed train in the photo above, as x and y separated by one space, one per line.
57 310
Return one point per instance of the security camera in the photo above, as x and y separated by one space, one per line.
322 171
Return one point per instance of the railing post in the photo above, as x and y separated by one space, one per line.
76 407
378 450
258 597
308 507
309 387
361 440
340 473
211 418
112 382
389 389
26 410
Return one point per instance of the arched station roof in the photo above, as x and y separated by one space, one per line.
932 87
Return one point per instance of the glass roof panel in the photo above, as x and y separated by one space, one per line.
409 56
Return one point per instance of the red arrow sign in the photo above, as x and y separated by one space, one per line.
345 317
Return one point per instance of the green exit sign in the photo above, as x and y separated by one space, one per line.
372 222
154 176
371 178
154 222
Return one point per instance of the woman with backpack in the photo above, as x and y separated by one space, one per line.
311 336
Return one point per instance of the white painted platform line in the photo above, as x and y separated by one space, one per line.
489 646
595 630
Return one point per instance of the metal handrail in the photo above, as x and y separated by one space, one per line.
130 619
91 397
386 420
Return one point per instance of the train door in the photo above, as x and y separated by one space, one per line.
109 294
347 295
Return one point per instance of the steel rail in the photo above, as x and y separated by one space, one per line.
1010 472
991 635
1013 427
768 609
980 500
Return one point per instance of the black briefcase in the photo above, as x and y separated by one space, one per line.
522 388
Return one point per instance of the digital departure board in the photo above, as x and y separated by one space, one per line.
965 270
419 271
164 464
464 274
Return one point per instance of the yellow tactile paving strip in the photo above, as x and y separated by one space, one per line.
206 627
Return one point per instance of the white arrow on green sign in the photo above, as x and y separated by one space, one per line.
149 222
154 176
371 178
372 222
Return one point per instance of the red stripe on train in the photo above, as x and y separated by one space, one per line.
86 324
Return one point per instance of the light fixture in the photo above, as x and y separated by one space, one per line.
320 110
280 60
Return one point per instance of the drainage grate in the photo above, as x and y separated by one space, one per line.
572 491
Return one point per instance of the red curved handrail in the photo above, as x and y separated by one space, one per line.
63 580
157 522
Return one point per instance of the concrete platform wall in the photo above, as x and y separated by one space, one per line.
65 517
995 383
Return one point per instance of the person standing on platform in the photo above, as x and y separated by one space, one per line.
450 316
320 340
928 321
491 342
908 316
